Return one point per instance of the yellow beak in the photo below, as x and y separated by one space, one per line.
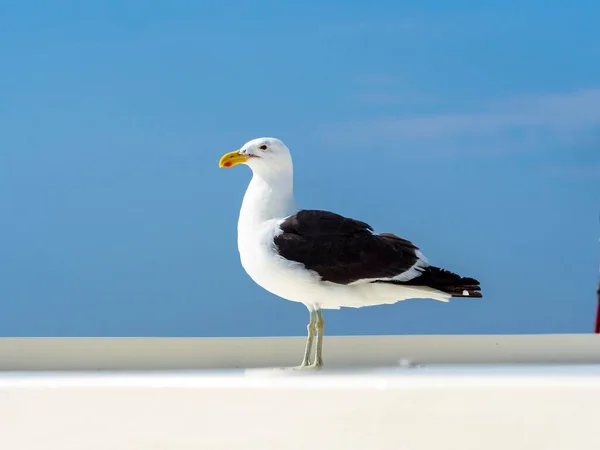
232 159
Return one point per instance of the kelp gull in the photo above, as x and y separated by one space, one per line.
322 259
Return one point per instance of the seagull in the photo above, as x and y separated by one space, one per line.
322 259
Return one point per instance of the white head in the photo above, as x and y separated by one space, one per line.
267 157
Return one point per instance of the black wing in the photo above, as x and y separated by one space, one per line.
343 250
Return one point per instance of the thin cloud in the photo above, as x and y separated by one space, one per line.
376 79
527 122
370 27
384 98
385 89
574 173
429 26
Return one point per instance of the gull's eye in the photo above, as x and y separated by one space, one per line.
263 147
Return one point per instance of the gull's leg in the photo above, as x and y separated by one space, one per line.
320 326
310 329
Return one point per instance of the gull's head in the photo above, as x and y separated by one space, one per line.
262 155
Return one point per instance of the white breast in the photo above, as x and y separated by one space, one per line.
284 278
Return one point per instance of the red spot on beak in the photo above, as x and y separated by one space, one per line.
227 164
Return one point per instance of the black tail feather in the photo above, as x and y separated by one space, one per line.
445 281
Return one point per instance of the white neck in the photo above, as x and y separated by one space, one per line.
267 197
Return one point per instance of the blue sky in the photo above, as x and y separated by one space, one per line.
470 129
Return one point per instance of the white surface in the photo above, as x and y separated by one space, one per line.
446 408
548 402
